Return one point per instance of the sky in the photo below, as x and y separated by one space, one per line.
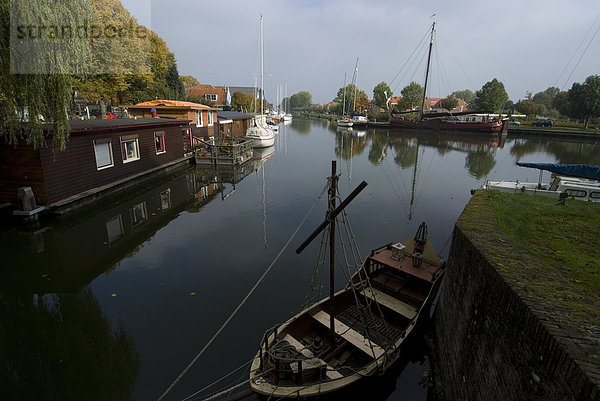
528 45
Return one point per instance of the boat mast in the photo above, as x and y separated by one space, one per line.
355 81
344 102
427 72
332 194
262 77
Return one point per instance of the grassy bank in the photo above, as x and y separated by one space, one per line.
551 251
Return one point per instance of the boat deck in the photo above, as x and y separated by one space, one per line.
405 265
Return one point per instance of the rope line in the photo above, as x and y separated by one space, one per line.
189 366
216 381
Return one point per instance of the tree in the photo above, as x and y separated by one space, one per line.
173 82
529 108
584 99
561 103
300 101
381 95
465 95
35 79
546 97
346 93
188 80
243 102
491 96
449 103
412 96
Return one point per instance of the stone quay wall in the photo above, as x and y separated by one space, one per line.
495 339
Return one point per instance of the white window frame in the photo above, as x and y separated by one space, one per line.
136 148
163 141
110 154
199 118
211 119
211 96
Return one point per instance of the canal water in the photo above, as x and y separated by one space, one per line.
113 301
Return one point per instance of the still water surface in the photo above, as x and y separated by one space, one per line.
114 301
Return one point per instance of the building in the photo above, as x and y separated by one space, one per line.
219 96
233 122
202 118
102 156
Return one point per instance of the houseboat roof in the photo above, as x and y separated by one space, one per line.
171 104
233 115
82 126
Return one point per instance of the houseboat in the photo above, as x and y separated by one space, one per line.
101 157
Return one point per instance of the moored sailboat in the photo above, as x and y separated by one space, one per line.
358 331
260 134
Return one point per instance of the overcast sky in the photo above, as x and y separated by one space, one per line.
528 45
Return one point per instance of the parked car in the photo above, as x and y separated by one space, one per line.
543 123
514 123
110 116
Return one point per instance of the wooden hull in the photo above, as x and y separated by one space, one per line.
441 125
300 359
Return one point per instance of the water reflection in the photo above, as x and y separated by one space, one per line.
62 347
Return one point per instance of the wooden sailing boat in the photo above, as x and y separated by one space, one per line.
356 332
478 121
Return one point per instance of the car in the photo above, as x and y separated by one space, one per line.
110 116
543 123
515 123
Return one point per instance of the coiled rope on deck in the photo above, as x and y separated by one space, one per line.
189 366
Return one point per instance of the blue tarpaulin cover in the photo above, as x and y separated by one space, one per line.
572 170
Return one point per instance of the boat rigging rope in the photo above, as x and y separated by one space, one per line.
189 366
217 381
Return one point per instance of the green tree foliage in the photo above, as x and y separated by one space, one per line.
412 96
243 102
466 95
561 103
130 69
381 94
530 108
351 92
189 80
300 101
44 89
546 97
449 103
584 99
492 96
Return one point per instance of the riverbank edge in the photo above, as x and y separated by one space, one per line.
495 338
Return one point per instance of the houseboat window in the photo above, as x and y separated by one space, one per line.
103 152
576 193
130 149
595 195
211 96
198 118
159 142
210 117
